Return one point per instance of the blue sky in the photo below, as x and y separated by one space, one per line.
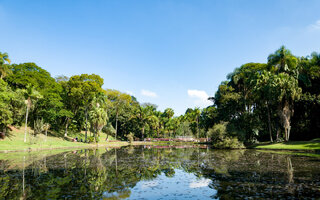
171 53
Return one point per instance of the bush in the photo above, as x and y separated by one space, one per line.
221 139
130 137
90 139
37 127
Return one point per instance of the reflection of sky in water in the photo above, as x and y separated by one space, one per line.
181 186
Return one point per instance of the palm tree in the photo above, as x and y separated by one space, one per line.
283 60
99 119
144 115
31 95
4 68
168 113
98 114
154 123
46 127
288 91
193 116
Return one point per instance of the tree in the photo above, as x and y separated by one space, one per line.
286 84
6 114
288 91
168 113
119 101
4 68
264 90
282 61
29 74
80 91
193 116
31 95
98 115
173 124
144 115
46 127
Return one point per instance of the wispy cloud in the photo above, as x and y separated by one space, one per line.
200 98
148 93
315 26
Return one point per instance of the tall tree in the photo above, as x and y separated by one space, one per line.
119 101
282 60
31 95
144 116
4 67
98 115
80 91
6 95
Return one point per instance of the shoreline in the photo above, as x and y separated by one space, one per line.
109 144
312 146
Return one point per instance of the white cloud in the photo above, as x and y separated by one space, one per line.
201 98
315 26
200 183
148 93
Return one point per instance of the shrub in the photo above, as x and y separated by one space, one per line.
38 127
130 137
221 139
90 139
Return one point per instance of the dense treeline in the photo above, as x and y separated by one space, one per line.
29 96
277 100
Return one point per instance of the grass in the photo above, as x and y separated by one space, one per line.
292 145
15 142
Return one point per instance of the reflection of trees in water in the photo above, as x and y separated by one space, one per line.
111 173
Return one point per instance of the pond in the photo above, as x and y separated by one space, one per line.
160 172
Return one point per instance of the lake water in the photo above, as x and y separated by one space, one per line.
159 173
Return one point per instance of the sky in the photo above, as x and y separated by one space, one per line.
170 53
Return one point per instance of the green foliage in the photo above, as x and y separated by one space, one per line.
6 114
91 139
184 129
260 101
130 137
38 127
221 138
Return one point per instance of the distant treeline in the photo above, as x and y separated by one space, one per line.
278 100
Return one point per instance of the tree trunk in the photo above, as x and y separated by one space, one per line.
46 134
66 127
198 127
269 123
25 126
278 133
116 125
86 134
94 134
142 133
285 116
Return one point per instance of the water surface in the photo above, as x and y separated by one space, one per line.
159 173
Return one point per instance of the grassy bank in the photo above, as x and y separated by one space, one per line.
15 142
293 145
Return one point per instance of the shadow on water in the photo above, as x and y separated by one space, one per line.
160 173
